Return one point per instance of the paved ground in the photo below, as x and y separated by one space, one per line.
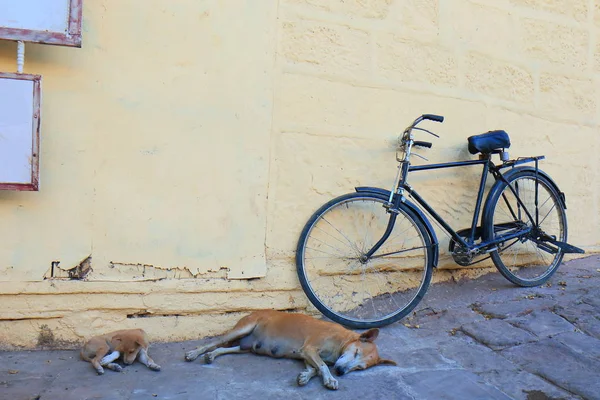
482 339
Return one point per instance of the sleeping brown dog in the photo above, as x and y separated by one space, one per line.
316 342
130 344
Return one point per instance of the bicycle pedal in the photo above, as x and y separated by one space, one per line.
568 248
564 246
545 247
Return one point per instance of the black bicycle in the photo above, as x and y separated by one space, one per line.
365 259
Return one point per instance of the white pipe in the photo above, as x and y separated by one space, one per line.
20 56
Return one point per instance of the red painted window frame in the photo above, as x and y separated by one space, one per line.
70 38
35 142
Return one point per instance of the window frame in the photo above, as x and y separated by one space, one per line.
33 185
72 37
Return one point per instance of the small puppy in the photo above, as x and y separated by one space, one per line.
129 344
316 342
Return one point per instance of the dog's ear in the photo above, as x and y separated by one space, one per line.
142 340
383 361
370 335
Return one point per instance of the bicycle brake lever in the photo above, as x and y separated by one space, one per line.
425 130
420 156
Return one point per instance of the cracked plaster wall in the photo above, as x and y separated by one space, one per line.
187 157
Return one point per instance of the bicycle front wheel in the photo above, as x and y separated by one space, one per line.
525 261
344 286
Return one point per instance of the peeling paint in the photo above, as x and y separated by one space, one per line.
147 272
78 272
129 271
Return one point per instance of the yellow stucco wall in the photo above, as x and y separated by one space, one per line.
186 143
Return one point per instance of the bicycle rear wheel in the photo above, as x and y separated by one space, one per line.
363 293
526 261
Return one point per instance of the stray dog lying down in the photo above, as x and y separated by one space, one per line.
130 344
318 343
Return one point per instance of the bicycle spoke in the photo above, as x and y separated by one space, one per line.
392 238
397 252
368 290
544 203
364 249
320 258
352 245
378 276
340 252
333 237
515 253
548 213
539 252
321 251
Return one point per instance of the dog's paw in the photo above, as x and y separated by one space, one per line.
330 383
304 378
209 358
115 367
191 355
154 367
100 371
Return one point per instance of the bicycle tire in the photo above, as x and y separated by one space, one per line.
522 261
343 284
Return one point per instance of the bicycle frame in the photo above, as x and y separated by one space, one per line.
397 196
413 193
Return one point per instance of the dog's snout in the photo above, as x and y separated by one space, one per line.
340 371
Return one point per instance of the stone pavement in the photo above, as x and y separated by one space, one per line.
474 339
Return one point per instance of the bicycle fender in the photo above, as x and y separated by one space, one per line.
385 194
516 170
507 175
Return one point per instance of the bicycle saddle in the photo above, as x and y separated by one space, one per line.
488 142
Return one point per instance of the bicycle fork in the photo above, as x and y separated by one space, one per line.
388 230
392 209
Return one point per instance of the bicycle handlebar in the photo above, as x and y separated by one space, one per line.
433 117
430 117
407 136
422 144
